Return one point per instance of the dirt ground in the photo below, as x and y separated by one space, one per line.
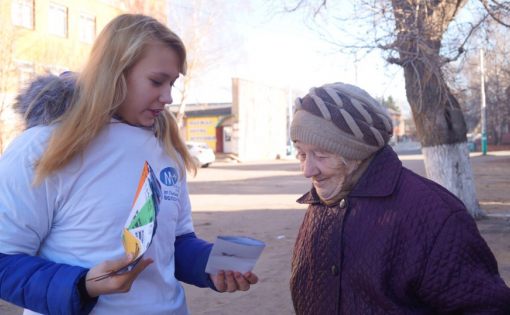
258 200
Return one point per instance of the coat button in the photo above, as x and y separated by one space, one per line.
334 270
343 203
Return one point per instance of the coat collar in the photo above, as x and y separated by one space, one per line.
379 179
381 176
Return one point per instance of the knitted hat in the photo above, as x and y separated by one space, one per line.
342 119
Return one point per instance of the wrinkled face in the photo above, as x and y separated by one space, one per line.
149 85
327 170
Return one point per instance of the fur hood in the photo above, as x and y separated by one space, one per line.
45 99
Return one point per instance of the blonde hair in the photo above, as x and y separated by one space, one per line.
101 87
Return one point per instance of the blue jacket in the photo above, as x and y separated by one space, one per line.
50 288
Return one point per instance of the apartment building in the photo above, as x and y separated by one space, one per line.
50 35
44 36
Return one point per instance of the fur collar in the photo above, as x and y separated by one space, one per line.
45 99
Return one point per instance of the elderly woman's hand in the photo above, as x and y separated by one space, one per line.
231 281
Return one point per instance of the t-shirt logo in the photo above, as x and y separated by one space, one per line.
168 176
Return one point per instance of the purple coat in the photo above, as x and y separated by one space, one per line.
397 244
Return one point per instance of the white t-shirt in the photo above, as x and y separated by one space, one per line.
76 215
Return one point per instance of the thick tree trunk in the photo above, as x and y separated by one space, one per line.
449 164
436 112
442 132
440 124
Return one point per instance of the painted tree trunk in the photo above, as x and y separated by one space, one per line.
440 124
442 131
450 165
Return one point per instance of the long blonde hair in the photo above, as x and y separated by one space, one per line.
101 88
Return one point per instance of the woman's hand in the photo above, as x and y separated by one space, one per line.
117 283
231 281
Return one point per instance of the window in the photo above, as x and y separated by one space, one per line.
87 28
57 20
23 13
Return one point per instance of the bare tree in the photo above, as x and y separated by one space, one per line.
22 57
413 34
498 96
203 27
495 40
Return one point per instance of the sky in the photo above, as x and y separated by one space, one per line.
263 43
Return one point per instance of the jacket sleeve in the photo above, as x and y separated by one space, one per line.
184 219
26 210
461 275
26 216
42 286
191 255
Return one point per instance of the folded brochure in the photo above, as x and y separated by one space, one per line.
141 223
236 253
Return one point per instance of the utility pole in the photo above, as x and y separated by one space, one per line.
483 109
290 113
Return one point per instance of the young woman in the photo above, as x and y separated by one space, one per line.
68 183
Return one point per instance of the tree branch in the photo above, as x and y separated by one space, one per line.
296 7
302 2
461 48
493 14
395 61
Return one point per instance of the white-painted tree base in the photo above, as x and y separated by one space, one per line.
449 166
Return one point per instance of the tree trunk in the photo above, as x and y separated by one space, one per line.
441 130
457 176
439 121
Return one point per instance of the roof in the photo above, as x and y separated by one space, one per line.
209 112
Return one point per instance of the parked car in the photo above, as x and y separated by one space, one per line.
201 153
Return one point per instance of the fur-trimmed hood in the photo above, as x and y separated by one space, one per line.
45 99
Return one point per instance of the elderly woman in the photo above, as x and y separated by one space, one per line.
377 238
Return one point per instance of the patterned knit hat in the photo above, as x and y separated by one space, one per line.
342 119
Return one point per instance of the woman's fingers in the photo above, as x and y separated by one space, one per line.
219 281
122 282
230 281
115 283
251 277
242 282
142 264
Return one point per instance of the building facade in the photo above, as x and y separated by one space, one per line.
44 36
255 126
204 123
